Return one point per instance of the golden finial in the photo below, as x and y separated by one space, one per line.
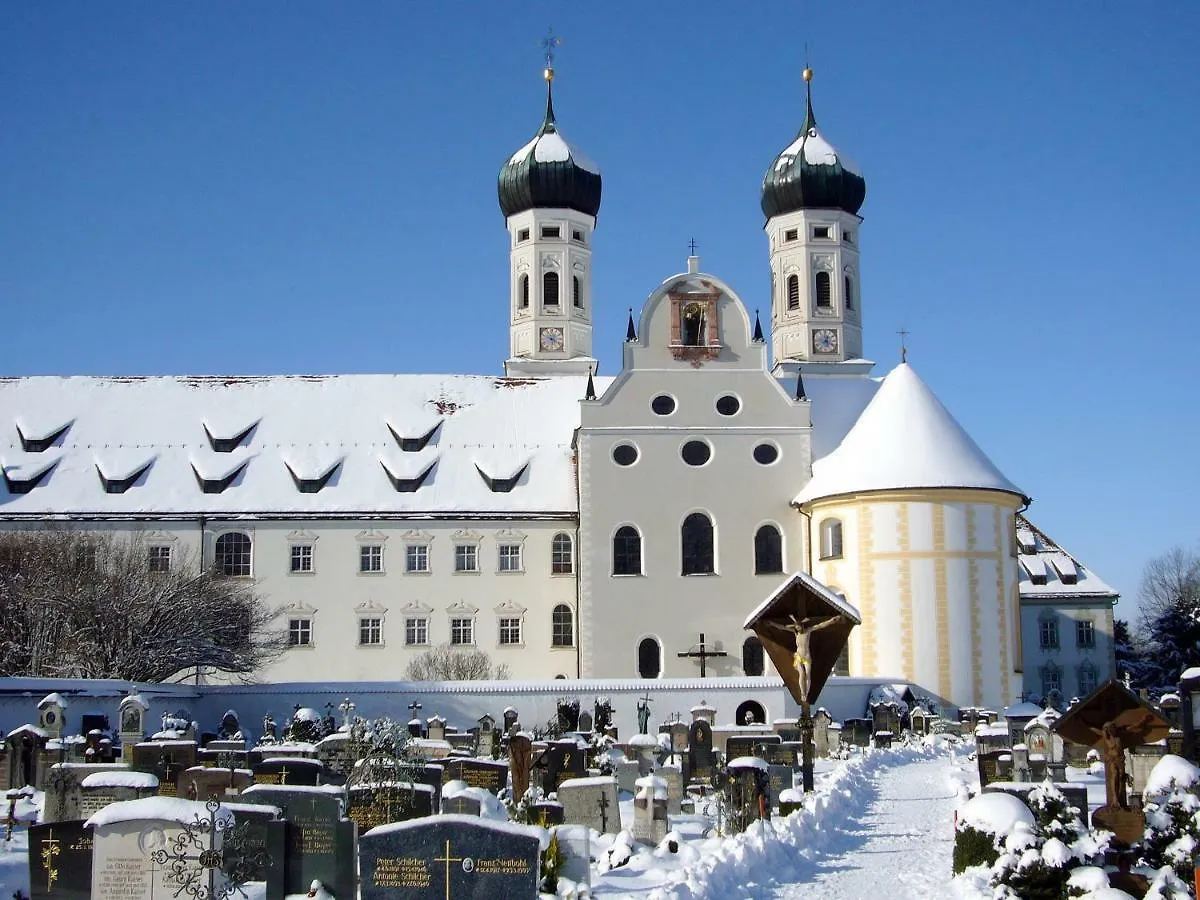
549 42
548 73
807 74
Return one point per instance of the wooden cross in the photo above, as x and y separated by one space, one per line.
447 859
603 804
702 654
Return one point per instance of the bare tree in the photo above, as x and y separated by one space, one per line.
446 662
86 605
1169 582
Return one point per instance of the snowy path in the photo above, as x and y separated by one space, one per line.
900 844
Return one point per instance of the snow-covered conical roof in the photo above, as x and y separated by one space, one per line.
904 439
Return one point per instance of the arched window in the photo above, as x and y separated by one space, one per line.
768 550
849 285
233 554
752 656
793 292
550 289
627 551
831 539
1051 678
524 292
576 292
696 539
649 658
562 627
562 554
824 291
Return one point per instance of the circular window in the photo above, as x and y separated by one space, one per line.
728 405
765 454
663 404
625 454
696 453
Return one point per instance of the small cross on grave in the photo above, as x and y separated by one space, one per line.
283 774
447 859
603 804
414 708
50 849
458 805
702 653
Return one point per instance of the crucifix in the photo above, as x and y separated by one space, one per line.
413 708
603 804
447 859
549 42
346 707
692 247
703 654
903 332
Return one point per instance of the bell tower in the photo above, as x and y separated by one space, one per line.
550 193
811 196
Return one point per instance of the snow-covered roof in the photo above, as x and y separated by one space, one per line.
1022 710
553 147
905 438
835 600
837 402
55 699
163 809
1047 570
817 152
337 444
121 778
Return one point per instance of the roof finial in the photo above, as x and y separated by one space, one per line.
630 332
590 392
903 345
810 121
549 42
758 332
800 395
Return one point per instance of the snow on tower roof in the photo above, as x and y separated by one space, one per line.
905 438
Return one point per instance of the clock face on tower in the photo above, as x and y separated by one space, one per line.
825 341
551 339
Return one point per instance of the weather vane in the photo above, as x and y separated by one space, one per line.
549 42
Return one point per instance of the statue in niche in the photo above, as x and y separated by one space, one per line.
693 325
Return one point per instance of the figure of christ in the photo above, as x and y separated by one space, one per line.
802 659
1113 753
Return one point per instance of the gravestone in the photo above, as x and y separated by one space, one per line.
992 766
857 732
679 738
585 722
628 772
60 861
490 775
749 745
214 782
783 754
319 842
436 728
591 802
520 762
288 771
821 721
779 779
547 813
1020 763
701 759
574 842
99 789
560 761
372 805
449 856
650 810
461 800
746 791
673 776
510 719
257 842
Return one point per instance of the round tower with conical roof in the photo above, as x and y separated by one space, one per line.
910 520
811 195
549 193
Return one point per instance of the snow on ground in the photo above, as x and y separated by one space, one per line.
885 817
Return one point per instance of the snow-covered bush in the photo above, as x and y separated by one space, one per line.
1172 832
982 824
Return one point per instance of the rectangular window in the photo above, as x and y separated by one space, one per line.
462 631
416 631
551 231
1048 631
370 632
792 234
510 557
848 237
299 632
1085 634
416 558
823 232
577 235
510 632
370 558
160 558
1087 680
523 235
302 557
1051 680
466 558
562 555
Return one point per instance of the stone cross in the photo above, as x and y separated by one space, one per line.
603 804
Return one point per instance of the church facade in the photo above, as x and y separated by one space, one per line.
576 526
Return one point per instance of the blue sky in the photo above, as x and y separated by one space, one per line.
310 187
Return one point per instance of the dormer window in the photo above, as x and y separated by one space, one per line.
18 481
407 485
551 231
215 484
311 482
501 485
227 443
121 485
41 443
414 444
822 232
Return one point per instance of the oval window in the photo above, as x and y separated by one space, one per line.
696 453
625 454
663 404
728 405
765 454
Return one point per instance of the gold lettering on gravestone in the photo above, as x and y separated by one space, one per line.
405 872
502 866
480 778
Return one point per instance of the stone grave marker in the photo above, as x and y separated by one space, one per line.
991 766
585 725
370 806
288 771
257 842
746 791
679 732
60 861
214 782
783 754
575 843
650 810
488 774
510 719
449 856
99 789
673 776
547 813
461 800
560 761
857 732
319 842
701 759
628 772
1020 763
779 779
821 721
591 802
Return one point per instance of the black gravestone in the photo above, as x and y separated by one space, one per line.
60 861
373 805
449 856
547 813
255 845
486 774
752 745
287 771
701 760
319 843
560 761
782 754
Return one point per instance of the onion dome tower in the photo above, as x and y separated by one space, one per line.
549 192
811 195
916 525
